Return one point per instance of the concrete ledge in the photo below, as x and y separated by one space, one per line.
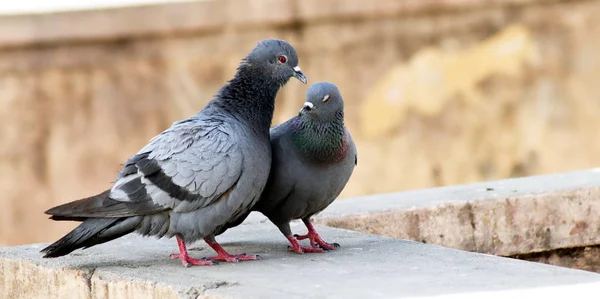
206 16
366 266
507 217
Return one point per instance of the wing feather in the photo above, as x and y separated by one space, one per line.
193 161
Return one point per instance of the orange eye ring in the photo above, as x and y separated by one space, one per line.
282 59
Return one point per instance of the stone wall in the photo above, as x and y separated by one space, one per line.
437 92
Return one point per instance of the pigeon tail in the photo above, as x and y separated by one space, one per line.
102 206
90 232
83 209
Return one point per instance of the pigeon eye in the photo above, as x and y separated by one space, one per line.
325 99
282 59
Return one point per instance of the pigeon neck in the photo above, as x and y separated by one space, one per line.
250 96
321 141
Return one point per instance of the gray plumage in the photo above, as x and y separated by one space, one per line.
313 159
197 176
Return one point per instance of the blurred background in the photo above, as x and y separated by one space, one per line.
438 92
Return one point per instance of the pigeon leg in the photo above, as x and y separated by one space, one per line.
222 255
185 259
314 237
297 248
284 227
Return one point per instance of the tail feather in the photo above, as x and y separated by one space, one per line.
102 206
102 219
96 206
90 232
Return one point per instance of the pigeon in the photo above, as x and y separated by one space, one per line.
313 159
197 176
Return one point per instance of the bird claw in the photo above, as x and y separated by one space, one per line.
305 249
188 261
235 258
317 242
296 250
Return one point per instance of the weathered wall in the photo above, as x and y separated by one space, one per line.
437 92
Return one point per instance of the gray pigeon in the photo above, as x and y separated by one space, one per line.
199 175
313 159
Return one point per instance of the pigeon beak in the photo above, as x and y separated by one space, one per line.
306 107
299 75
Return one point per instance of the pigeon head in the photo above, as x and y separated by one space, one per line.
318 131
277 59
323 102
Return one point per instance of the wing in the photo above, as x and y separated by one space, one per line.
186 167
352 145
189 166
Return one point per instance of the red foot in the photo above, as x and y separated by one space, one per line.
234 258
222 255
297 248
186 260
315 239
